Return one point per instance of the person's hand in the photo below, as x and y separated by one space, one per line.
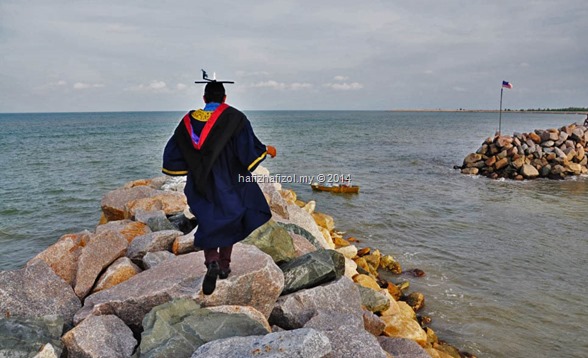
271 150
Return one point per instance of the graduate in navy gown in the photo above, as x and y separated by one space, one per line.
217 150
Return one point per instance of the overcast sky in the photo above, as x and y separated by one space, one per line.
145 55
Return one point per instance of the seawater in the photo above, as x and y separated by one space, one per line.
504 260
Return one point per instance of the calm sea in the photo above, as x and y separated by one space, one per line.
504 260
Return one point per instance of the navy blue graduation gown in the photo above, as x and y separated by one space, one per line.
232 205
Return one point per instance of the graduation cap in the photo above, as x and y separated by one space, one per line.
213 87
205 79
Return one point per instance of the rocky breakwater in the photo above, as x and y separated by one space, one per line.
551 153
132 288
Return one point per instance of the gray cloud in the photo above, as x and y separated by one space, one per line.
85 56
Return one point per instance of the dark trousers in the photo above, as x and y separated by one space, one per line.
222 255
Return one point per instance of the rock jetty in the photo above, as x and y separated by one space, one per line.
550 153
132 288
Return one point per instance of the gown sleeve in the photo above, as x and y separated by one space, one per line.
173 160
250 150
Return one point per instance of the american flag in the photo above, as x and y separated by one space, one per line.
506 84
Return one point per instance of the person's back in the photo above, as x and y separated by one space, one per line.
217 149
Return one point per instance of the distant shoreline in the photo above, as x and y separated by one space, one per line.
487 111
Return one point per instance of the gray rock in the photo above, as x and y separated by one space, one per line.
36 291
373 300
295 229
347 340
299 343
312 269
24 337
179 327
255 281
102 250
183 223
373 323
48 351
529 171
402 347
155 241
294 310
301 244
100 336
156 220
272 239
152 259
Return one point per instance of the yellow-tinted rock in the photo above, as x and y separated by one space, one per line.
388 262
393 309
367 281
288 195
350 268
327 236
363 252
501 163
127 228
309 207
373 259
324 220
170 202
404 325
348 251
360 261
394 291
300 203
339 241
120 271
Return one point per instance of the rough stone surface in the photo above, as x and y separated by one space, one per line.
349 251
404 325
529 171
298 343
114 203
36 291
127 228
100 336
301 244
312 269
63 256
185 243
272 239
48 351
295 229
324 220
170 202
255 281
373 323
402 348
373 300
347 336
152 259
98 254
121 270
23 337
156 220
246 310
152 242
185 222
302 218
179 327
294 310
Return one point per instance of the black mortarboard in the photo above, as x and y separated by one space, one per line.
205 79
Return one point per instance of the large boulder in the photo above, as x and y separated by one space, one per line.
36 291
24 337
170 202
152 259
102 250
301 244
63 256
156 220
294 310
255 281
114 203
402 348
324 220
121 270
179 327
127 228
272 239
312 269
297 230
300 217
346 334
100 336
404 325
155 241
304 342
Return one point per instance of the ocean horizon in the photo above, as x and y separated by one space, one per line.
503 259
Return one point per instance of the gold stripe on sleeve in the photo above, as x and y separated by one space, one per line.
257 160
176 173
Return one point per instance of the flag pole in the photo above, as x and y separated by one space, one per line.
500 112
